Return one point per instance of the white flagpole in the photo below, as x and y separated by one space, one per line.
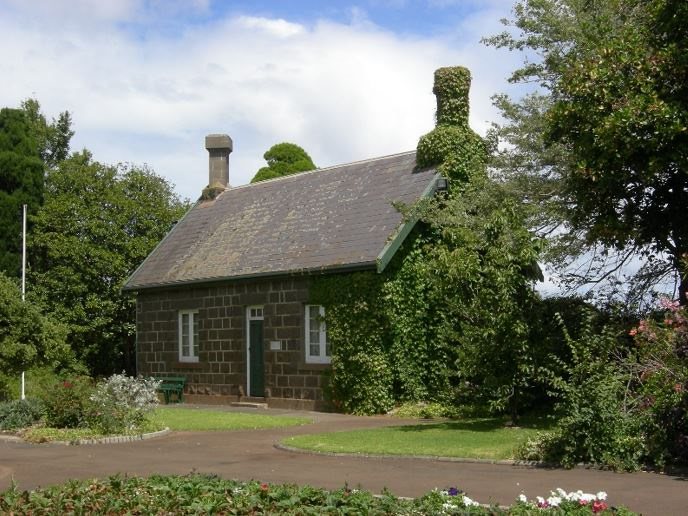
23 283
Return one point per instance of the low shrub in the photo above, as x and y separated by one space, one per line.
66 403
20 413
120 403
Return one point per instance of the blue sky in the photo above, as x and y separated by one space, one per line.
145 81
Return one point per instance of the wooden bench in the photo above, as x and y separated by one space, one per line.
172 385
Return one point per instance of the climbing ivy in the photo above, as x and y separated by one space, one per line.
452 144
447 315
358 332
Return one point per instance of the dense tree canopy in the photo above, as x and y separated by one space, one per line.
21 182
98 223
615 73
27 337
284 159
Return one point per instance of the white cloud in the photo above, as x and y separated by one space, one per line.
342 91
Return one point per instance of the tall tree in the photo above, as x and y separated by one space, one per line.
616 72
98 223
284 159
21 182
53 138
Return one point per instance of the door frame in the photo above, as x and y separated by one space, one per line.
253 313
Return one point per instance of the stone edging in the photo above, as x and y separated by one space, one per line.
117 438
101 440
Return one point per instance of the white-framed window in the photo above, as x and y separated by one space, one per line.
317 348
188 336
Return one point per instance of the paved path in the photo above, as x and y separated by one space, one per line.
251 455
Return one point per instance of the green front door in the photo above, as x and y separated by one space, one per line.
257 372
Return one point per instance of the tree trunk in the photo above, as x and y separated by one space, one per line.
682 267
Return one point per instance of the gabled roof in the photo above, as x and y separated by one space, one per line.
337 218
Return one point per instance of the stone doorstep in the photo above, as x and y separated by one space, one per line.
249 404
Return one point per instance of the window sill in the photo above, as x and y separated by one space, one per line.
187 365
315 366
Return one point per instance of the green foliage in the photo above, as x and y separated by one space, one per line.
284 159
21 182
361 377
421 363
27 337
20 413
486 260
98 223
617 114
450 311
52 138
596 425
67 402
660 371
452 142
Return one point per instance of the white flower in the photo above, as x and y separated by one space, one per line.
468 502
540 500
522 498
587 497
562 493
448 506
601 495
554 501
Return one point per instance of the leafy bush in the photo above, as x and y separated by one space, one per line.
66 403
596 426
120 403
660 380
203 494
20 413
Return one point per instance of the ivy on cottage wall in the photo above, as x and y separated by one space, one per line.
448 310
361 373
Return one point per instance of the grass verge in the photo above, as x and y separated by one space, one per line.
477 438
193 419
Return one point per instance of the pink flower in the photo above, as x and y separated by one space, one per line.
668 304
598 506
633 332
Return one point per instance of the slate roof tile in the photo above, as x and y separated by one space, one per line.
329 218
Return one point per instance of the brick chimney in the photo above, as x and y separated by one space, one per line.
219 147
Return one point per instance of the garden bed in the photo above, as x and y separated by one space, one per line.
201 494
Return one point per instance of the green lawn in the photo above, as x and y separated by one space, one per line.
192 419
484 438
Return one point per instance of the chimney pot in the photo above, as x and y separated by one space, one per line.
219 147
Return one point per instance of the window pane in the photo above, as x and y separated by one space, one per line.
328 353
314 337
194 318
185 335
314 350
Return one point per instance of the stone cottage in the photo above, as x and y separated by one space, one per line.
224 298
